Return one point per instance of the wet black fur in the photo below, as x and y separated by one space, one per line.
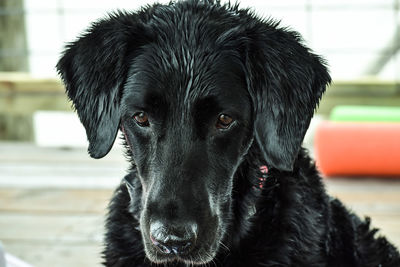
275 82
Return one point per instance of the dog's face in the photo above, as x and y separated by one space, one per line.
188 128
192 85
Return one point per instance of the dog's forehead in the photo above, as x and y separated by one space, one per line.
185 75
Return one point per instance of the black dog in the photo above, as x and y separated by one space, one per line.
207 95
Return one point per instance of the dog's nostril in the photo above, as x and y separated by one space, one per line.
176 241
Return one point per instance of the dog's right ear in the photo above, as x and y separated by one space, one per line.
94 69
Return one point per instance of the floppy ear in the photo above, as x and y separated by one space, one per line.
286 82
94 69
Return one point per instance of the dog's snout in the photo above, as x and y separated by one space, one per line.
176 239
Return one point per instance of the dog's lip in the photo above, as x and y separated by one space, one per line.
171 255
165 249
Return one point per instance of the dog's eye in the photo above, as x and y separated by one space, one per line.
141 119
224 121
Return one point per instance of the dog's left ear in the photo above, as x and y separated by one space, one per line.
94 69
286 82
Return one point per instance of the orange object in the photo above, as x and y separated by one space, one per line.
358 148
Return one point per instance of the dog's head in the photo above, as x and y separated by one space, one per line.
192 85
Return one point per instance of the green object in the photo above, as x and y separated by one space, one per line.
365 113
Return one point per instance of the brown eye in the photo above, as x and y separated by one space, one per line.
224 121
141 119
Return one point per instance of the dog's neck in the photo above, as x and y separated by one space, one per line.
253 181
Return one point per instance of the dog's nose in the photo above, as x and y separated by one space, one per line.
178 240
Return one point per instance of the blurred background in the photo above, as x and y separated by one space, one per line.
53 197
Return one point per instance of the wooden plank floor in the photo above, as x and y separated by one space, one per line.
53 202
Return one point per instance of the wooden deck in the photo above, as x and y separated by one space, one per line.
52 203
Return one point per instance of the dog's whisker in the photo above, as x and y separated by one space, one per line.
224 246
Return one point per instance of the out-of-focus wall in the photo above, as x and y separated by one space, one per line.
351 34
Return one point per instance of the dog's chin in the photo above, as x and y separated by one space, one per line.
198 257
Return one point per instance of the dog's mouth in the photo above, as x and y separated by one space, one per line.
159 254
